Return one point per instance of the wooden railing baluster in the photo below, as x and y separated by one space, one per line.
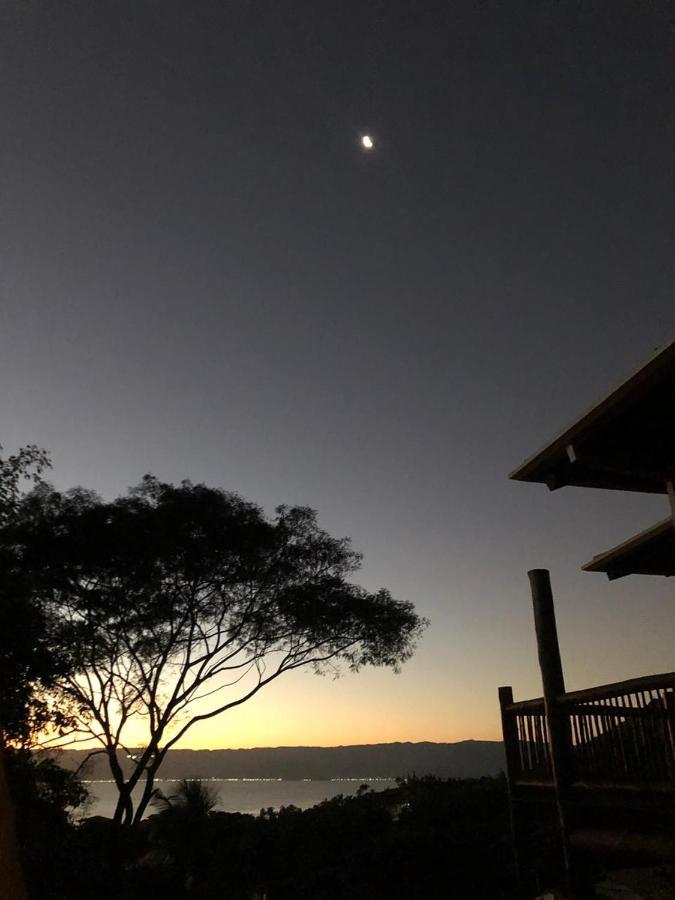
619 738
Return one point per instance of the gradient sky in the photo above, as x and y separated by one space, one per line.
203 275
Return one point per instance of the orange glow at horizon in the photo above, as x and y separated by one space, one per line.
446 693
369 708
372 707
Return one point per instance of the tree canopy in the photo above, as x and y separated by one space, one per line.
174 604
28 660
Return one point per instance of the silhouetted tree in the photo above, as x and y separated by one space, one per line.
177 603
28 661
25 661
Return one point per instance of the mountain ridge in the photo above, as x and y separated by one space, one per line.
462 759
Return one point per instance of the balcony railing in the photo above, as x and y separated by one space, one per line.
619 734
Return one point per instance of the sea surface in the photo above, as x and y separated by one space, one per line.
242 794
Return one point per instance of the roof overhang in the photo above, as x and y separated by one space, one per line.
652 552
626 442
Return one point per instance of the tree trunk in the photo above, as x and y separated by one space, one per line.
151 771
148 791
123 790
124 809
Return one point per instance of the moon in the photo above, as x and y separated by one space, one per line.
367 142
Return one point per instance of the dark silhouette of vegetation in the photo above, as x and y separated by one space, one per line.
139 608
428 837
34 795
45 797
173 604
29 657
192 799
425 838
27 464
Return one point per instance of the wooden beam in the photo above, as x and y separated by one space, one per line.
618 688
611 467
560 739
650 376
528 706
512 753
605 710
649 551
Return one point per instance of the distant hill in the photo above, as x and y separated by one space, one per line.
466 759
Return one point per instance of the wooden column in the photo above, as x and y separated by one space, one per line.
559 732
512 754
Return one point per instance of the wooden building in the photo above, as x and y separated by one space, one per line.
601 760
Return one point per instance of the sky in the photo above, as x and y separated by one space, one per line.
204 275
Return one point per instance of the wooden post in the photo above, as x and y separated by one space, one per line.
512 754
553 682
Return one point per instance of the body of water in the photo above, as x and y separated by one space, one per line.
245 795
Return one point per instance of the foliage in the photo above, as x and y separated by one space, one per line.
192 799
177 603
45 797
181 832
29 661
41 795
27 464
428 837
44 787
